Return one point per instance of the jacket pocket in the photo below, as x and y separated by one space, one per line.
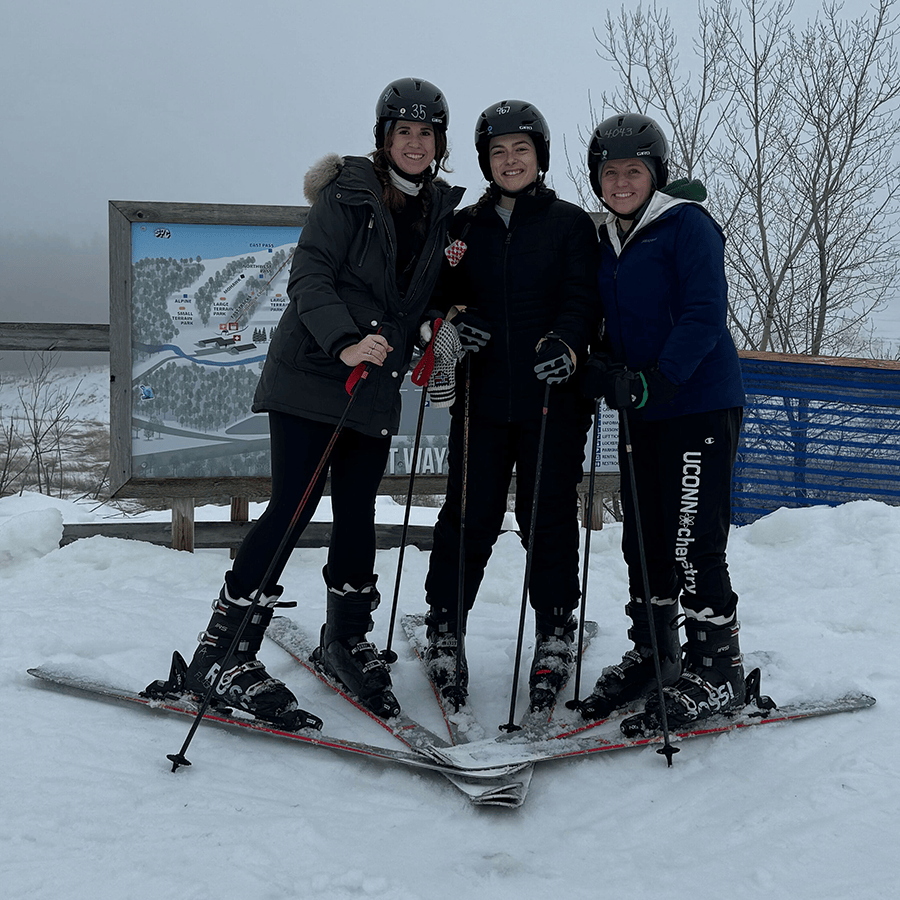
367 238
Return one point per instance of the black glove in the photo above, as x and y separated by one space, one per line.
638 390
595 375
553 362
473 330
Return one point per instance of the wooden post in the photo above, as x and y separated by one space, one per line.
240 512
597 515
597 512
183 523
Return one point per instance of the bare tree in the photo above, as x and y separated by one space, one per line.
46 425
793 134
11 450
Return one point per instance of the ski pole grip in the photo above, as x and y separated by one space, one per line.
422 372
360 373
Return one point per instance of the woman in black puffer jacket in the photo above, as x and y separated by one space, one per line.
361 278
526 286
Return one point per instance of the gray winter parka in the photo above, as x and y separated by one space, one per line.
343 287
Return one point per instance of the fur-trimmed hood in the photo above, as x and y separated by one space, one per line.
331 166
320 175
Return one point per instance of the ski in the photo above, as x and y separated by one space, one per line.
606 735
462 724
300 645
72 682
536 722
490 784
509 788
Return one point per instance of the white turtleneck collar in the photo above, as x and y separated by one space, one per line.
403 185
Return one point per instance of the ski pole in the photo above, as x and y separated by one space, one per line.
388 655
667 749
529 555
461 570
359 374
589 525
421 376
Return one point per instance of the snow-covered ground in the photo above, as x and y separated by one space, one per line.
91 809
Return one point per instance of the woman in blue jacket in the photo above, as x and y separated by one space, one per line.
673 370
361 278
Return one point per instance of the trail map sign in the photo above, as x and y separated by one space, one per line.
196 292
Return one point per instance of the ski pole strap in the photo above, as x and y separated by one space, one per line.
422 372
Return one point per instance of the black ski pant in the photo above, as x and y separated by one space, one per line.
357 464
683 468
495 448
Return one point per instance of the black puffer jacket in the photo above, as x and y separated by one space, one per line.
343 287
537 276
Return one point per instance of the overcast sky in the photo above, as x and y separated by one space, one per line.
230 101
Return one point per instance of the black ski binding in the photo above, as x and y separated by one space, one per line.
752 695
173 688
456 695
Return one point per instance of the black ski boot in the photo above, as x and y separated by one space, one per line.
711 683
441 657
551 666
635 676
346 655
244 684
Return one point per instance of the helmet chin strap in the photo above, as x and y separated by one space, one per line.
405 176
528 189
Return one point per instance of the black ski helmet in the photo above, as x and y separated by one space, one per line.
629 136
512 117
410 100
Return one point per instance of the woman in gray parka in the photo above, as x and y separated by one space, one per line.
362 274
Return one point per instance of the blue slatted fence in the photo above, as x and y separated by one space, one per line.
817 431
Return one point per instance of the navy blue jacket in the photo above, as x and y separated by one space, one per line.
665 300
